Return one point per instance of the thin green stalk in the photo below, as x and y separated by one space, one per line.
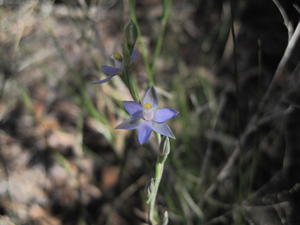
155 182
150 64
126 76
158 46
237 92
132 14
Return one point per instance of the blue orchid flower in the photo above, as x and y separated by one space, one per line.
146 117
117 68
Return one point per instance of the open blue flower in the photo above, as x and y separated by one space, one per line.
146 117
117 68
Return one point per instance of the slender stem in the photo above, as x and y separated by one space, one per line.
131 6
158 46
127 78
237 92
159 168
150 64
155 182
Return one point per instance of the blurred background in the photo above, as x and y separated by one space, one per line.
224 65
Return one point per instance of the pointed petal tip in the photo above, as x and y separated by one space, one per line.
141 142
151 97
101 81
163 129
129 124
164 114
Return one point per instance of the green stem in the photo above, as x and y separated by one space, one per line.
131 6
158 46
150 64
155 182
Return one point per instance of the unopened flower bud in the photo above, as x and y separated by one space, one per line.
131 35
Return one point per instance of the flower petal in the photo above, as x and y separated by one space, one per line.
163 129
144 132
164 114
133 108
129 124
103 80
150 97
110 70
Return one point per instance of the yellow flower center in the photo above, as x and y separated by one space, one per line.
118 56
147 106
